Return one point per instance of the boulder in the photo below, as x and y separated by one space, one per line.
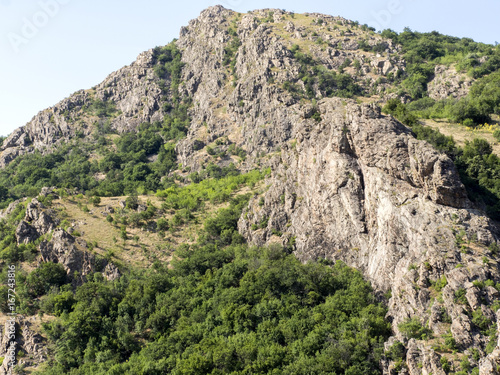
25 233
63 248
111 272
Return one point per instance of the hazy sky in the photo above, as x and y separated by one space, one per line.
52 48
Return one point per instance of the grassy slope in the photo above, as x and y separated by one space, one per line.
461 134
142 247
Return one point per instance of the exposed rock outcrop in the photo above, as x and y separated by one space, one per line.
61 247
25 233
64 249
491 363
37 222
27 340
133 90
10 208
9 345
448 83
254 112
111 272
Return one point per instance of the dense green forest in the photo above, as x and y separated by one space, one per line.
230 310
223 308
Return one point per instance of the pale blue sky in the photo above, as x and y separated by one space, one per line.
52 48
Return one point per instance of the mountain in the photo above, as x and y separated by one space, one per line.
298 97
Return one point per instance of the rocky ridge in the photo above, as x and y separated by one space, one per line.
254 110
133 91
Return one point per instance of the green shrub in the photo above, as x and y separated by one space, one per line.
460 296
465 364
162 224
132 202
399 110
445 317
102 108
315 77
492 344
451 343
58 303
44 277
96 201
496 134
123 233
396 351
440 283
412 328
481 321
445 364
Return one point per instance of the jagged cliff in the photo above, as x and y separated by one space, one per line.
347 183
132 90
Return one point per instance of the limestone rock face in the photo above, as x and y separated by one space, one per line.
358 184
25 233
111 272
7 342
44 223
491 364
136 93
63 248
253 110
448 83
34 210
37 222
41 219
